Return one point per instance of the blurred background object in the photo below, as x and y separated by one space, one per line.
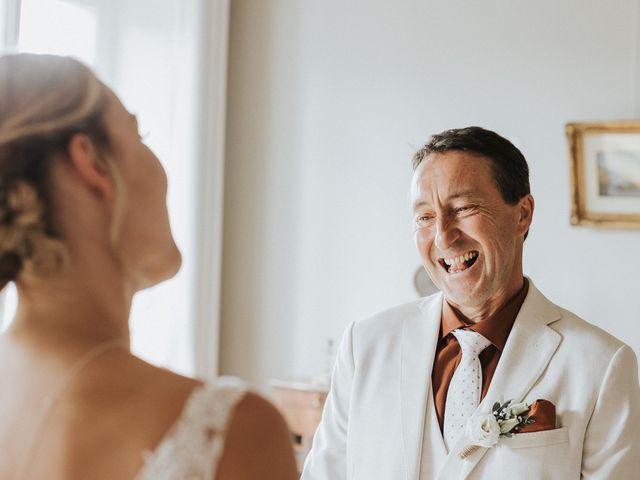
422 282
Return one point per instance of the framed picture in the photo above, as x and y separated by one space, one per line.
605 174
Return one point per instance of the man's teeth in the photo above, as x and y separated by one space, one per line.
461 258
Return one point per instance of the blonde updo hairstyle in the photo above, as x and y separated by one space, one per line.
44 101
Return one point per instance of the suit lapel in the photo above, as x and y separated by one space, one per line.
528 350
419 341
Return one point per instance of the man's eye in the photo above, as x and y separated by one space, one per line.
463 208
424 220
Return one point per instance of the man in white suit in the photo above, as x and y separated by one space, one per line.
407 379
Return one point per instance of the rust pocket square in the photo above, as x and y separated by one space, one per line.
543 412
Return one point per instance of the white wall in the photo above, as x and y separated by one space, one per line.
328 101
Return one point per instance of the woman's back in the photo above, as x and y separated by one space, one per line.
126 419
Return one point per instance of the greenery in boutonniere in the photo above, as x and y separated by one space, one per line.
510 417
484 429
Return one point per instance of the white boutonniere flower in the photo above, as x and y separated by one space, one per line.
485 429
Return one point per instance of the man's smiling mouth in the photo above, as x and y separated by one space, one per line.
459 263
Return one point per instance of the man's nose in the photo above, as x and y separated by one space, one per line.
446 234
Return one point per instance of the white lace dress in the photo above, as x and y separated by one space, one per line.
192 447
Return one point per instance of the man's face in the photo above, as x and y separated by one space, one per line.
469 238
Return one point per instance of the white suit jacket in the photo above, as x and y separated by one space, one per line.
379 420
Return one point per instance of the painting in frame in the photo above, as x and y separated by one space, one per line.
604 163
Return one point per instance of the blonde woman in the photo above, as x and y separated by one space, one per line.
83 227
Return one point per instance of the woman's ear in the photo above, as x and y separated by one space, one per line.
90 167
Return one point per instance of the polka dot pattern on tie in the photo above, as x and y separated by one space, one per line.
463 395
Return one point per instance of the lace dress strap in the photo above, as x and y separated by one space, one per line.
192 448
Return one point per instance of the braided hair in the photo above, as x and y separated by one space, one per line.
44 101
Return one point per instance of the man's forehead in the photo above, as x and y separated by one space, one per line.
456 184
425 197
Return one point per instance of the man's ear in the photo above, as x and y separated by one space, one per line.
89 166
526 205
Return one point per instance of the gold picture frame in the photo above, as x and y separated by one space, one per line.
604 160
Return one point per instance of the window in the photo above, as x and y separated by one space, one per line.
151 53
74 31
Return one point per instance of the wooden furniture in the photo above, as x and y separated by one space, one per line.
301 403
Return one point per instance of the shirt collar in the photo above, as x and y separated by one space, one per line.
496 328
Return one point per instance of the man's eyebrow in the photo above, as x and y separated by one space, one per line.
464 193
421 203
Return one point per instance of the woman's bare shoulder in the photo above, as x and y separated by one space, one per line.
146 399
161 378
258 443
133 405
